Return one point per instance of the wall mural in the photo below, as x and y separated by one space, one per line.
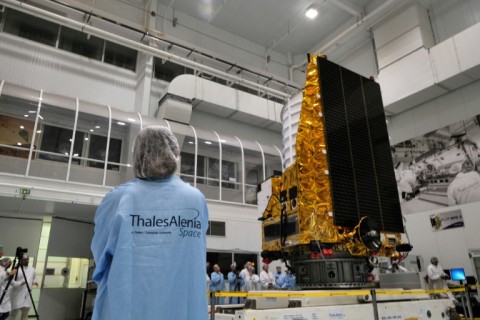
440 168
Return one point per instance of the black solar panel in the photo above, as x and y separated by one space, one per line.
361 169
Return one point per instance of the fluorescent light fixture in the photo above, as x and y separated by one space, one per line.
222 141
120 123
131 119
191 142
86 139
311 12
39 131
22 127
32 111
91 130
25 115
97 127
19 144
208 142
40 117
75 154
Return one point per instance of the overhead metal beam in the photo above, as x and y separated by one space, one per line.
139 46
346 5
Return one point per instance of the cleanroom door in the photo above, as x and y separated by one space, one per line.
69 241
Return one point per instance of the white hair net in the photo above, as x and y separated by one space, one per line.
4 262
155 153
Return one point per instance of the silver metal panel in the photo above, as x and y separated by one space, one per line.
407 280
431 309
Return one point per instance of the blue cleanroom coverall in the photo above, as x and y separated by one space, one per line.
279 280
150 250
218 284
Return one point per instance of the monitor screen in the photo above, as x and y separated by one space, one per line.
457 274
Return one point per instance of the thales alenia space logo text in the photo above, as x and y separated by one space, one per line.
189 227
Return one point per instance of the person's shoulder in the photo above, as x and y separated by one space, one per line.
121 188
115 195
186 187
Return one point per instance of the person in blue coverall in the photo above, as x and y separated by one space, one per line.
290 280
235 283
149 244
218 283
279 278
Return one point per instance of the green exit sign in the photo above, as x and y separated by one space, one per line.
24 191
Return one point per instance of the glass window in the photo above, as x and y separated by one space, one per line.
223 259
125 127
15 141
30 27
216 228
231 170
57 140
242 258
273 162
187 159
120 56
253 171
213 171
17 121
208 180
186 142
97 151
56 144
187 167
93 121
167 70
81 43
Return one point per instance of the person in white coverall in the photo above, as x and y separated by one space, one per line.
267 279
437 277
246 275
465 188
5 306
406 185
149 243
20 298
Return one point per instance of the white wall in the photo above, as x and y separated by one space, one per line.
38 66
449 17
434 114
361 61
243 230
451 246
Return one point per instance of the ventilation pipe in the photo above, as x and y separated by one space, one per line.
83 27
186 92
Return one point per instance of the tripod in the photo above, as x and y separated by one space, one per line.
18 265
236 288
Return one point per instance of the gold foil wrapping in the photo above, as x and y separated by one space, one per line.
314 190
313 207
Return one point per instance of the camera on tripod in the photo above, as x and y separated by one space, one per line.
20 252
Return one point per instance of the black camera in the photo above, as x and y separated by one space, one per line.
20 252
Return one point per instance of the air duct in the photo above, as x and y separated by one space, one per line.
188 92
